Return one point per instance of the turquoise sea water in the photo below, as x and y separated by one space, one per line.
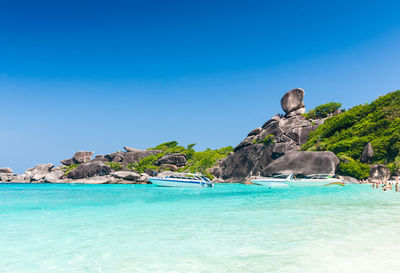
229 228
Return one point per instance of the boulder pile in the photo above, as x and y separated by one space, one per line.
274 147
81 168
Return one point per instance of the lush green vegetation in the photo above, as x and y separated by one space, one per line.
348 133
202 161
322 111
197 161
268 140
116 166
350 167
69 168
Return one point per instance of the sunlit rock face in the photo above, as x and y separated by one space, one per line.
278 137
292 101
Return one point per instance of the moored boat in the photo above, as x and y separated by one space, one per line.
284 181
277 181
315 180
187 180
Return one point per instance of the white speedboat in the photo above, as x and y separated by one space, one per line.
284 181
315 180
277 181
187 180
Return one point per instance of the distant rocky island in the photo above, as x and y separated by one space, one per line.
362 142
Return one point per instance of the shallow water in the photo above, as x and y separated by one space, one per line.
229 228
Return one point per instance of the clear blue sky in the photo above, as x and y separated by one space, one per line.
99 75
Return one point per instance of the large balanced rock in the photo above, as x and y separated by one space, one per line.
379 172
82 157
38 172
136 156
178 160
90 169
303 163
293 101
367 154
6 170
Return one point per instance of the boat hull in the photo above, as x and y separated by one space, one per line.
317 183
270 183
165 182
297 183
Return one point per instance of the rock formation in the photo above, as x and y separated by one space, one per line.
89 169
38 172
292 102
303 163
379 172
367 154
137 155
6 170
82 157
53 176
178 160
276 138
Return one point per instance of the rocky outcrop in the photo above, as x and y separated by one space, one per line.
245 162
82 157
126 175
90 169
5 170
178 160
255 131
292 102
115 157
101 158
278 137
379 172
303 163
136 156
78 158
130 149
38 172
67 162
367 154
53 176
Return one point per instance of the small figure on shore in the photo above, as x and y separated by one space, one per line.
397 184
